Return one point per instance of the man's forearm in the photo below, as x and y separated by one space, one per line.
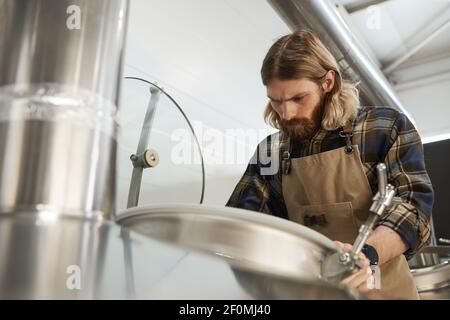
388 244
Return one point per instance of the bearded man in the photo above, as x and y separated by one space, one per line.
329 147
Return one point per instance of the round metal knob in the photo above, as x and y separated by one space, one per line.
151 158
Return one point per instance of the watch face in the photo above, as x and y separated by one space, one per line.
371 254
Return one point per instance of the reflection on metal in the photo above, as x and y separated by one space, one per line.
269 257
437 250
71 258
361 5
128 260
58 89
37 45
139 159
433 241
323 18
393 65
245 237
58 95
431 271
64 258
425 258
264 286
432 278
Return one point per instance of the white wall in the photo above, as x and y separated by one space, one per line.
207 55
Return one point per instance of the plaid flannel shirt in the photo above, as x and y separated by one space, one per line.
382 134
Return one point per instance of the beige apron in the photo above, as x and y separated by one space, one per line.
330 193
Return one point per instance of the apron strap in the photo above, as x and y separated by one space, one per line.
347 133
285 153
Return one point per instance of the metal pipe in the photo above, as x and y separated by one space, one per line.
60 67
324 19
382 179
423 81
394 64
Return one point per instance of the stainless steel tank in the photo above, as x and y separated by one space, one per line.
431 271
60 67
64 257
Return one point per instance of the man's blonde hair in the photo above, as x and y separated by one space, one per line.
302 55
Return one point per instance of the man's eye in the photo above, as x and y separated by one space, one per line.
297 99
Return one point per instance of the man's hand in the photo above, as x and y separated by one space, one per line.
359 279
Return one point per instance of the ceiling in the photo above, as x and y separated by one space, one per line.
418 32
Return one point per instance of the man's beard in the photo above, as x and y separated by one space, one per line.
303 129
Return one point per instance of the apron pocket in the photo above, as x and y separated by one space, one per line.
334 220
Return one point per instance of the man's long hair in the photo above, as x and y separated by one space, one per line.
302 55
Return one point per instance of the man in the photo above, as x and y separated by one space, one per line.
328 147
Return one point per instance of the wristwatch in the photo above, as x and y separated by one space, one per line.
371 254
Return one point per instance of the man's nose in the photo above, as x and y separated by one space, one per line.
288 111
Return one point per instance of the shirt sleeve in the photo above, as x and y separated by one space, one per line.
252 190
407 173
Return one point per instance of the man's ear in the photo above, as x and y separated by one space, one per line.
328 81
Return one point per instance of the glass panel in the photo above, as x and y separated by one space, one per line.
178 176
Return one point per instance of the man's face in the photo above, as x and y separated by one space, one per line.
299 104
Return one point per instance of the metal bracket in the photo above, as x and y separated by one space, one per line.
144 158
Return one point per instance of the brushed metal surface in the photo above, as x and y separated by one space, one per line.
59 86
42 255
244 237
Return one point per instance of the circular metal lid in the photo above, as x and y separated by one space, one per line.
246 238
